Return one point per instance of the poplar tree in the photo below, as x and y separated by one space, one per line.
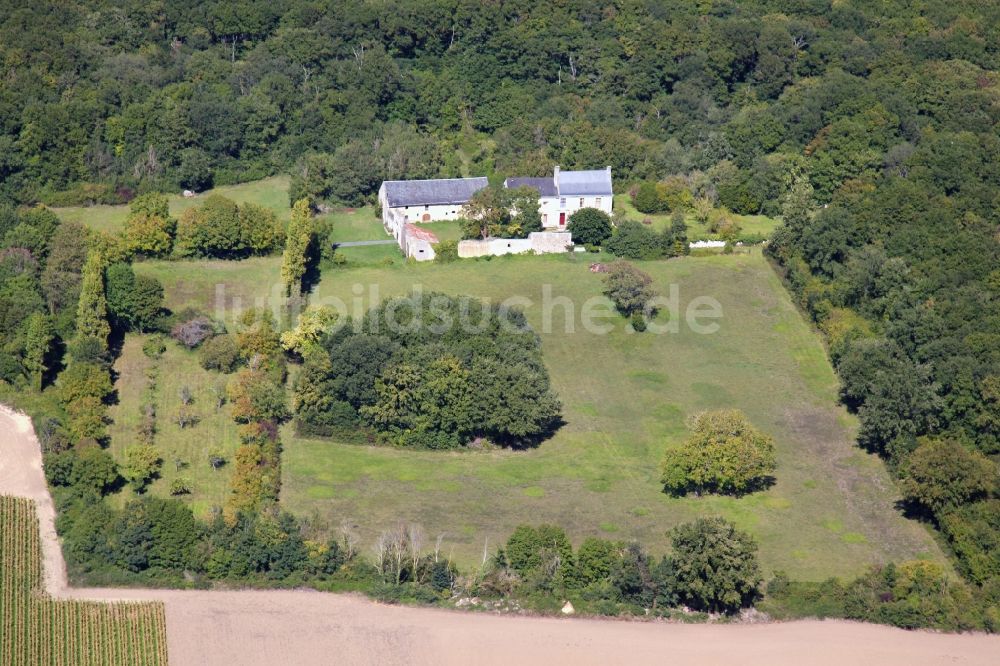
37 344
92 310
297 246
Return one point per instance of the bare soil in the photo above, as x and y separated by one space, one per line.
303 627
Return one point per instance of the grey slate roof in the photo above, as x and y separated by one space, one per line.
432 192
546 186
584 182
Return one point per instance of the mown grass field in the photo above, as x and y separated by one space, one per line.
626 398
270 192
749 224
36 629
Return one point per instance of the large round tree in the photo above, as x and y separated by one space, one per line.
724 454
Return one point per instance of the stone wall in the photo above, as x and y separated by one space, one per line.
542 242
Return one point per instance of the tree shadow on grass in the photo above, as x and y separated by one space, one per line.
757 485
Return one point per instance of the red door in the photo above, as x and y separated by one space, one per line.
562 219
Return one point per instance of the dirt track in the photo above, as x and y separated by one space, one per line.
304 627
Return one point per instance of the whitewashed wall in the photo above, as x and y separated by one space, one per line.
542 242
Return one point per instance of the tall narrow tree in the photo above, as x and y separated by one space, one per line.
37 344
92 309
298 242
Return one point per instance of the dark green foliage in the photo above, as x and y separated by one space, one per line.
715 565
86 468
973 531
134 302
221 228
219 353
441 372
943 474
910 595
633 240
589 226
647 199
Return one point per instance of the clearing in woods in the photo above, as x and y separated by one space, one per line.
626 399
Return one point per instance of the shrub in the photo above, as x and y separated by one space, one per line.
154 346
638 321
134 301
193 332
632 240
219 353
590 226
646 198
149 235
446 252
724 454
256 397
84 380
180 486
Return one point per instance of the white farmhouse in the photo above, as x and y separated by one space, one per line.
567 192
406 201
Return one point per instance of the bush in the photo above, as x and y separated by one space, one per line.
180 486
646 199
446 252
590 226
638 321
632 240
154 346
724 454
134 301
84 380
142 463
193 332
219 353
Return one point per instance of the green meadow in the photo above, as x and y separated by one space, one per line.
626 399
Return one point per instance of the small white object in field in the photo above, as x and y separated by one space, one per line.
188 193
568 609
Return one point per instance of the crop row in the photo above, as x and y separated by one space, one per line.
36 629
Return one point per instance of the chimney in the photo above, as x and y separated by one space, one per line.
555 178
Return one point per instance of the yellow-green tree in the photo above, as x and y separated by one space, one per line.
37 345
298 245
92 309
725 454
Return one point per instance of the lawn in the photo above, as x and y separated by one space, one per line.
270 192
626 398
749 224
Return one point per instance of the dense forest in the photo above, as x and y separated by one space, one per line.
870 127
747 98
